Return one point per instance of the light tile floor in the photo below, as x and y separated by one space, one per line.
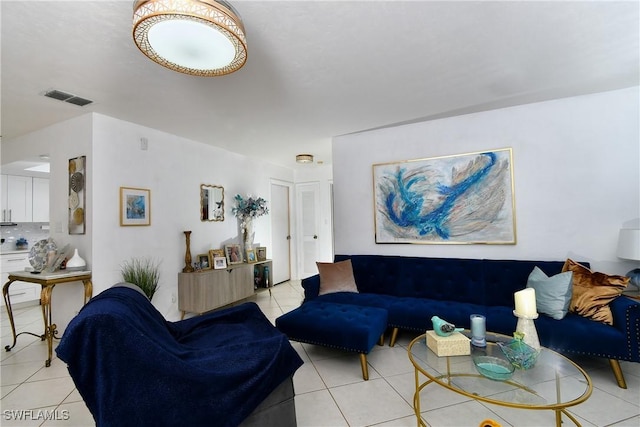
329 387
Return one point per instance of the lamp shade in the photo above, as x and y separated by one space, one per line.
197 37
629 244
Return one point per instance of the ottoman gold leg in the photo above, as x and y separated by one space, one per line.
381 340
365 368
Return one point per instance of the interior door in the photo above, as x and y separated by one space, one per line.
281 229
308 201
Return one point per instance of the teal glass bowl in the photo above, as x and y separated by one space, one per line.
520 354
494 368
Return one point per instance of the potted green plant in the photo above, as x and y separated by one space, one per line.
142 272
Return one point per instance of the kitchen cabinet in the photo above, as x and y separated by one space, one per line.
17 198
40 200
18 291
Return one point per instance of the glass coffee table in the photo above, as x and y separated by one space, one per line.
554 383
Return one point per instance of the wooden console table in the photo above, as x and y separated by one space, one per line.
47 281
205 290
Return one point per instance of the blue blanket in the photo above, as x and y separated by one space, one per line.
134 368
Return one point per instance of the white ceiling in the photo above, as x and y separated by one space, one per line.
316 69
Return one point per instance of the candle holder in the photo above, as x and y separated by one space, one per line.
527 327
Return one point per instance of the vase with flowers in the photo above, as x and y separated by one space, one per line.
246 209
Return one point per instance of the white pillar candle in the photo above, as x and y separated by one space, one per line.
478 326
526 302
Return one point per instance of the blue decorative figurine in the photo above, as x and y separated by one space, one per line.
444 328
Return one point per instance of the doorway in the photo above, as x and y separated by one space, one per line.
281 231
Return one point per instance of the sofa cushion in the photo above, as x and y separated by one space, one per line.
593 291
553 294
336 277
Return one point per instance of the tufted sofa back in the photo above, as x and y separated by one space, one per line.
478 281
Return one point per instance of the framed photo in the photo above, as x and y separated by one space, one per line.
233 254
77 195
251 256
457 199
204 261
216 253
261 253
219 262
135 206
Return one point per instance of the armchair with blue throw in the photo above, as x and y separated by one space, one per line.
134 368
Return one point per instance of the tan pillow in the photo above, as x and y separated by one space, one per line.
336 277
593 291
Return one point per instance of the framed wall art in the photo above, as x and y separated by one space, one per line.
135 206
233 254
457 199
77 195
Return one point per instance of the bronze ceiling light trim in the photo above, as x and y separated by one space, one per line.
196 37
304 158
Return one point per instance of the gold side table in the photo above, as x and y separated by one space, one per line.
47 281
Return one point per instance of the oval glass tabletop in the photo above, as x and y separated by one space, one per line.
554 382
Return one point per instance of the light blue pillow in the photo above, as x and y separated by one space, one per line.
553 294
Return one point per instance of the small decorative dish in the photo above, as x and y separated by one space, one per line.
520 354
494 368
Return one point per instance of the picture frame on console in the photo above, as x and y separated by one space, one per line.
214 253
219 263
261 253
233 254
456 199
251 256
204 261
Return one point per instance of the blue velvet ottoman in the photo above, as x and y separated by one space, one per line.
343 326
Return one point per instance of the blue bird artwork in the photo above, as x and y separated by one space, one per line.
135 207
455 199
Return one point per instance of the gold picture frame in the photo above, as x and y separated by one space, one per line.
135 206
204 261
233 254
251 256
261 253
213 253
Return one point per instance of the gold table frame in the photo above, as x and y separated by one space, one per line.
445 380
47 281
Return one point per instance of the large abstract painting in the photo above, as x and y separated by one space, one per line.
458 199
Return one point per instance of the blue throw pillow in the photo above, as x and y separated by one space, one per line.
553 294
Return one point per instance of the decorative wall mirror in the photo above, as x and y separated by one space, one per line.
211 203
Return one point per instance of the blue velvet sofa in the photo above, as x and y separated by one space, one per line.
413 290
133 368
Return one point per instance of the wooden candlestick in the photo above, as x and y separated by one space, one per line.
188 268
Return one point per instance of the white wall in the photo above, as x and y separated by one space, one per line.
576 172
62 141
173 169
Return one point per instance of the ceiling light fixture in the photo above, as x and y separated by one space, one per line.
196 37
304 158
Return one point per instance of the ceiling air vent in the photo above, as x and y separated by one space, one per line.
67 97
